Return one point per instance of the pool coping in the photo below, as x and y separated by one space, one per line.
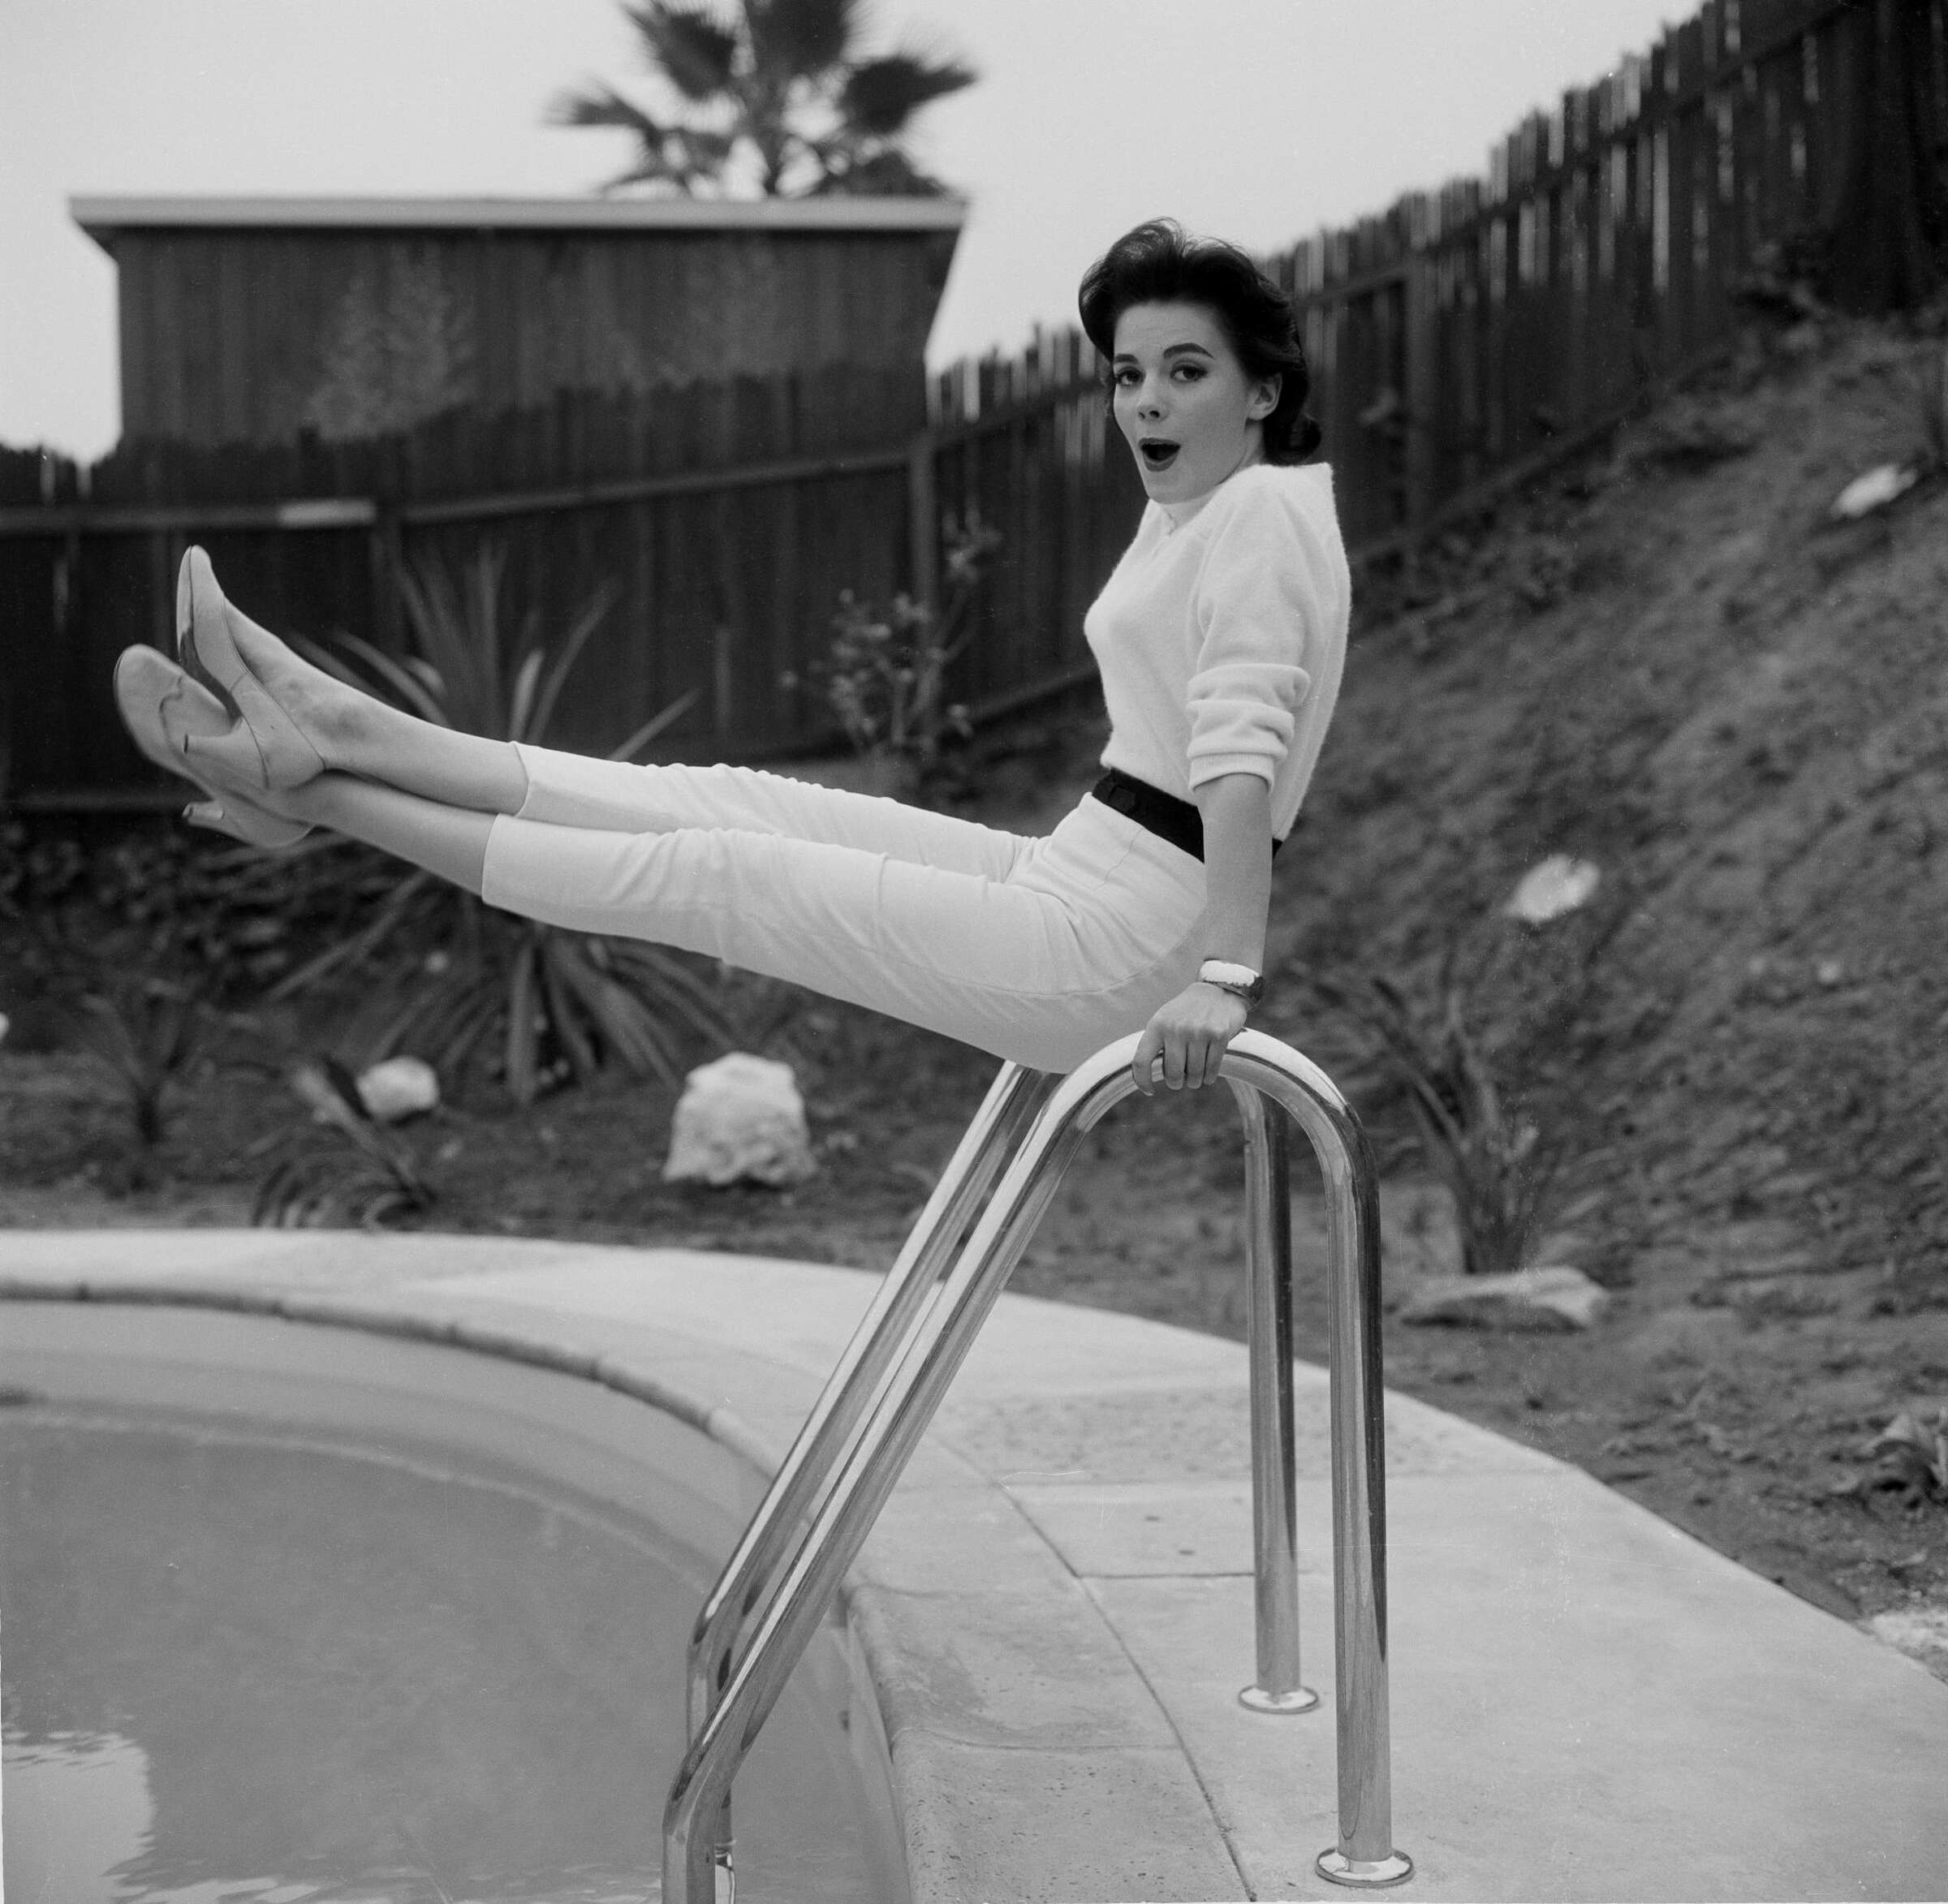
1055 1607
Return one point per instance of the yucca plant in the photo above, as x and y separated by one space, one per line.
148 1031
558 1002
1490 1161
344 1169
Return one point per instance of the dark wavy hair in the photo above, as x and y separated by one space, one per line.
1159 263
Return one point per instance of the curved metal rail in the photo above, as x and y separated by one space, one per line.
904 1355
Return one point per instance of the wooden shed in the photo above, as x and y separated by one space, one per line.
268 321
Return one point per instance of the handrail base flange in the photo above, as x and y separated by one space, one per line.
1364 1874
1301 1698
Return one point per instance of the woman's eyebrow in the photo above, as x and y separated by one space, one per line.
1169 350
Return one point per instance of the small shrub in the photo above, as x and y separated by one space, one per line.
1489 1160
148 1031
885 675
342 1169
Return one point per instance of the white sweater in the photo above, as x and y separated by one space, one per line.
1221 634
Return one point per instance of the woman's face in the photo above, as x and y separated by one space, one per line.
1182 399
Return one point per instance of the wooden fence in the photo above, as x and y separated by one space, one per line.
726 519
1456 340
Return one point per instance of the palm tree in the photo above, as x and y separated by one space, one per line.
783 82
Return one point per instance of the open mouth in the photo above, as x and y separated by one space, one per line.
1157 452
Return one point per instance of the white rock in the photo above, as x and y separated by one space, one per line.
739 1116
1874 490
1547 1298
1921 1632
1558 885
398 1087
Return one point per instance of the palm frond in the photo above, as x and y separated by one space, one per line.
655 725
700 152
593 613
688 46
522 1045
887 173
362 1174
1485 1159
880 96
801 39
321 656
147 1032
624 1022
651 168
602 105
651 969
553 951
521 707
408 684
413 889
466 1018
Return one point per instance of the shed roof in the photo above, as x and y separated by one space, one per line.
104 219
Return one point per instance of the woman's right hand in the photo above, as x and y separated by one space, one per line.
1191 1035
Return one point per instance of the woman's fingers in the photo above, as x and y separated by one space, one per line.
1190 1041
1198 1064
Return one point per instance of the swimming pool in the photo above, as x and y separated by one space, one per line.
297 1614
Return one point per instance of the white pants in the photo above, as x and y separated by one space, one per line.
1040 950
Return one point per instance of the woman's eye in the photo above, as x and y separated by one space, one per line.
1126 379
1189 372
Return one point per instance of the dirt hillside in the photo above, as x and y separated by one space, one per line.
1669 662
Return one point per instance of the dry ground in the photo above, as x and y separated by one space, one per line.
1661 659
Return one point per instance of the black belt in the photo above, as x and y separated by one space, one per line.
1178 821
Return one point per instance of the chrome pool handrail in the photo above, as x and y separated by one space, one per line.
881 1438
751 1574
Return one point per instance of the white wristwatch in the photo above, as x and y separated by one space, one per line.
1240 981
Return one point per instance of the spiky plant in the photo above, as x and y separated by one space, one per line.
345 1168
1490 1161
559 1002
780 84
148 1031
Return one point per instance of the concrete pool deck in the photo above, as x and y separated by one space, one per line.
1057 1603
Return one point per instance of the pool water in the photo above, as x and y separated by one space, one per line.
241 1667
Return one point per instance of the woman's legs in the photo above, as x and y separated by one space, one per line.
1037 950
353 733
1079 942
615 796
449 840
357 734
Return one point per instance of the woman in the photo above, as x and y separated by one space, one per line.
1219 637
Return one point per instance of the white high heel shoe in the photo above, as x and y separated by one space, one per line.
263 746
163 710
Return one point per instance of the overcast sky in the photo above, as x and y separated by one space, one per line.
1259 120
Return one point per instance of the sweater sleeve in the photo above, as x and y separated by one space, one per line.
1256 604
1257 608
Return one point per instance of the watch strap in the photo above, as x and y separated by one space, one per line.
1240 981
